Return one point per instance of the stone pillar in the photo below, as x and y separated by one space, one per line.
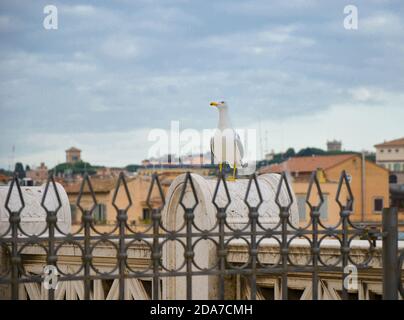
205 287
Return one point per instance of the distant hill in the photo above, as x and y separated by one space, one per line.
6 172
307 152
79 167
133 167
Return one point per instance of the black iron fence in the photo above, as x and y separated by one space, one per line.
14 240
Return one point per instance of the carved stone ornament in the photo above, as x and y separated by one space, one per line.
205 287
33 216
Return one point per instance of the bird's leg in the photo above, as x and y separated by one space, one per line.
233 177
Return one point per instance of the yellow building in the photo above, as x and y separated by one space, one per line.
102 189
139 215
329 210
369 184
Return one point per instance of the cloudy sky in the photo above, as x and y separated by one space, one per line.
111 72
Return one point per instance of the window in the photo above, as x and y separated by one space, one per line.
304 210
100 213
375 296
146 214
301 205
389 150
351 295
295 294
267 293
382 150
324 208
396 167
147 285
393 179
378 204
397 150
73 211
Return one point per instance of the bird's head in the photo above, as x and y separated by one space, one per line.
219 105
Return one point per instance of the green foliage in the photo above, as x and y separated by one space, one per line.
307 152
98 167
278 158
133 167
290 153
371 157
19 169
6 172
79 167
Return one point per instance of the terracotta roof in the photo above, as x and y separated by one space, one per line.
99 185
73 149
4 177
392 143
307 164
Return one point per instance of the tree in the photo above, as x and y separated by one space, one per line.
290 153
19 170
307 152
79 167
371 157
6 172
133 167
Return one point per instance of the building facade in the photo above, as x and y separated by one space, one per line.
369 281
390 155
73 155
334 145
258 259
39 175
369 183
139 214
4 179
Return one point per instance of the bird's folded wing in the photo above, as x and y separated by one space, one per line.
239 145
212 146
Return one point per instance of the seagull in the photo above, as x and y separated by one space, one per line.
226 145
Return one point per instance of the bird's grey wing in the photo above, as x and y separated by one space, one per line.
239 145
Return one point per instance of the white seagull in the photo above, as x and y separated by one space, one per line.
225 144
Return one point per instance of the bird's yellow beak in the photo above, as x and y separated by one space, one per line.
214 104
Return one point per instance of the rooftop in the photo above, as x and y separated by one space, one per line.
98 185
307 164
105 185
4 178
392 143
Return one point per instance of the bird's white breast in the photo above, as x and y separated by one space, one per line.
225 148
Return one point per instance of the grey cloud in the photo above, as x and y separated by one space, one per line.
135 65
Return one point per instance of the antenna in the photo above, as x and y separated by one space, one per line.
12 160
282 137
260 137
